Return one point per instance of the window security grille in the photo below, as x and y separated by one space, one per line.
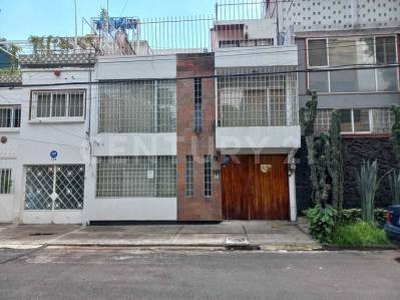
54 187
265 96
10 116
136 176
207 176
198 115
5 181
145 106
58 105
189 190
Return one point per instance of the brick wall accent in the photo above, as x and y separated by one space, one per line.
198 207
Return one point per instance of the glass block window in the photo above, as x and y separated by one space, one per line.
143 106
136 176
189 183
261 99
61 105
198 115
207 176
10 116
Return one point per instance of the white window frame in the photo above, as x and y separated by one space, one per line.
13 108
352 121
326 68
52 93
7 182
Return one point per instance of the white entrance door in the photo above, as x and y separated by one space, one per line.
54 194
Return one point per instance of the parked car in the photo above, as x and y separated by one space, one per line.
392 226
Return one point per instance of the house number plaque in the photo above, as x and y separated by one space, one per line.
265 168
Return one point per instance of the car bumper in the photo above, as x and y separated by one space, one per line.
392 232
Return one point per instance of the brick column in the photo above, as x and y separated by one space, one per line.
198 207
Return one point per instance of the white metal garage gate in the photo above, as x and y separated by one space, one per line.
54 194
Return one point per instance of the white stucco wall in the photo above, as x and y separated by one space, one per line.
135 67
139 209
32 143
108 144
278 139
256 56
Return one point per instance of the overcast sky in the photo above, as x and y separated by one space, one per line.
21 18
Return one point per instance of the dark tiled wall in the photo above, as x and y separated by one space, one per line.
354 151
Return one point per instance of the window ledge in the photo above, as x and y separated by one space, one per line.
353 93
365 135
10 129
66 121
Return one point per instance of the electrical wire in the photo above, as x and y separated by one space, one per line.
268 49
296 70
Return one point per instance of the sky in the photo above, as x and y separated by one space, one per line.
21 18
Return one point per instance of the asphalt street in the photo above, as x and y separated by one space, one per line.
197 274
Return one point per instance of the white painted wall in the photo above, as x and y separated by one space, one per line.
258 138
108 144
135 67
32 143
139 209
256 56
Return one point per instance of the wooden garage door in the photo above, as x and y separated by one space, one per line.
255 188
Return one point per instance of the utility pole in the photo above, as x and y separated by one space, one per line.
76 26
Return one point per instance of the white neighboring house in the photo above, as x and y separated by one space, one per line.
44 125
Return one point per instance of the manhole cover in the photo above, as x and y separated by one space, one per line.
41 233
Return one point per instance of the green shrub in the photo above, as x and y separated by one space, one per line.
353 215
321 222
359 234
394 181
368 184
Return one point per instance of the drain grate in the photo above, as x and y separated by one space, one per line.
41 233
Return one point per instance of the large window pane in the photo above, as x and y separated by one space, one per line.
361 120
351 51
59 105
277 108
319 81
317 54
387 79
385 50
43 105
137 106
75 105
138 176
352 80
345 120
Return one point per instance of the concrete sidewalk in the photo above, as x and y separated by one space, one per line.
264 235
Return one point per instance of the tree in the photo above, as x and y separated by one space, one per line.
307 119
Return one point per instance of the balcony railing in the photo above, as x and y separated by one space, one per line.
12 77
56 58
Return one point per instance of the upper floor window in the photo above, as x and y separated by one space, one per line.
257 100
140 106
198 116
58 105
10 116
357 120
354 56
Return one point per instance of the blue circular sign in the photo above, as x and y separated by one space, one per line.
53 154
